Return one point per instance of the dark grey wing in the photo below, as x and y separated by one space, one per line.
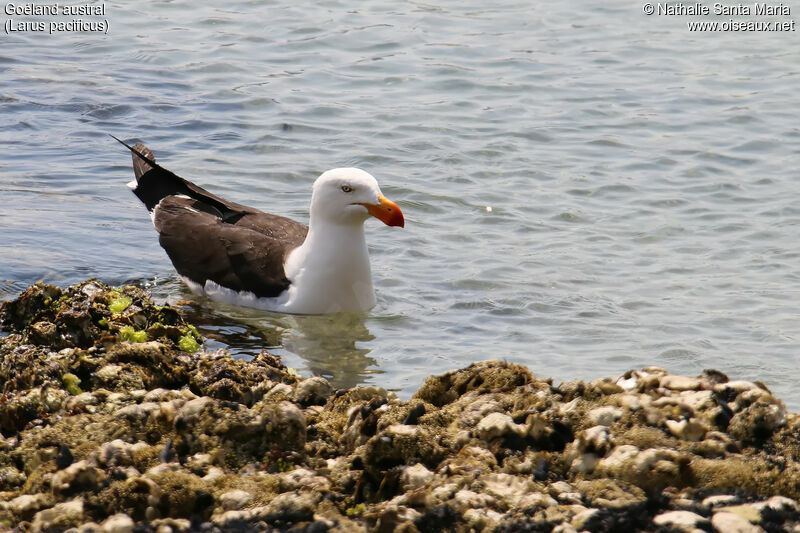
247 255
210 238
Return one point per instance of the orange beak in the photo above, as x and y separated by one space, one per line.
386 211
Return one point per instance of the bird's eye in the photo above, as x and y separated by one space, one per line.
347 188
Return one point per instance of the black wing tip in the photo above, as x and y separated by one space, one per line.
146 160
137 149
133 149
119 140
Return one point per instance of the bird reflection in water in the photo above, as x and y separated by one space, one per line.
319 345
329 346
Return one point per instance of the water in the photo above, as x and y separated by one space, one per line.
587 189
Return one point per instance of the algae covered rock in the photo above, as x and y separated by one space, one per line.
89 314
110 420
33 305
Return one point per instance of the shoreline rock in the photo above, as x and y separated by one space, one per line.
113 419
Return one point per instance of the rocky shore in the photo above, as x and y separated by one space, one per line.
113 418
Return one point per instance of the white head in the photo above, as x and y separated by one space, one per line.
351 196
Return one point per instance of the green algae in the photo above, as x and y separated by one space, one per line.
55 304
119 304
194 331
284 465
191 340
187 343
277 461
71 384
356 510
127 333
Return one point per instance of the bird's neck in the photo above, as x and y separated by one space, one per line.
339 245
330 270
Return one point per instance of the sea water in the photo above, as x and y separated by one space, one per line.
587 188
